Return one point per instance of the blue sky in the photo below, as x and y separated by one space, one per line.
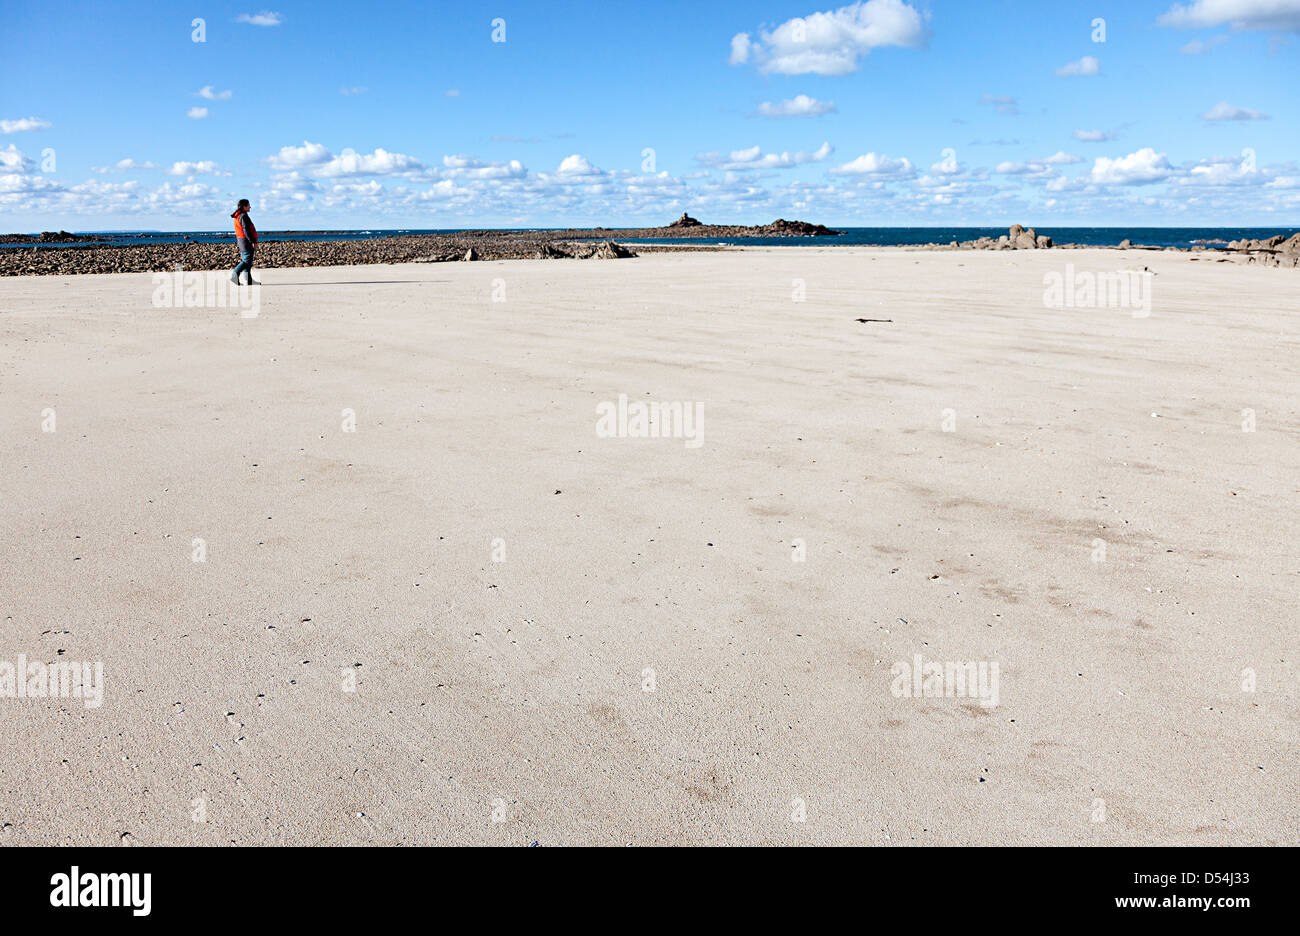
883 112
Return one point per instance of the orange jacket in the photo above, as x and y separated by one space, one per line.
243 223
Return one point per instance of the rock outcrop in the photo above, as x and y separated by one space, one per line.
783 228
1022 238
1276 251
609 250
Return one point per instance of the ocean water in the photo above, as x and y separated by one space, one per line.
1093 236
850 236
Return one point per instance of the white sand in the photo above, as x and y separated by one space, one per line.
518 685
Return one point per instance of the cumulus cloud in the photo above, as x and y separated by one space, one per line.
754 158
831 43
467 167
1062 158
1221 171
350 92
1242 15
1034 168
801 105
576 164
207 92
202 167
1084 66
1094 136
1225 111
296 157
1140 168
196 113
316 159
23 124
740 46
264 18
875 164
381 162
14 160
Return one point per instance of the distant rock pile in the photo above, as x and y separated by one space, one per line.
783 228
686 226
1017 238
1277 251
46 237
421 248
608 250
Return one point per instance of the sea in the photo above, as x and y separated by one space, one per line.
849 236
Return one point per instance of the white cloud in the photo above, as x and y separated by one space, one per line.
264 18
316 159
207 92
801 105
296 157
1062 158
293 185
1033 168
349 92
754 158
1084 66
831 43
1094 136
1283 15
876 164
467 167
196 113
1197 47
1140 168
1225 111
15 185
14 160
454 92
576 165
740 46
202 167
381 162
23 124
123 165
1221 171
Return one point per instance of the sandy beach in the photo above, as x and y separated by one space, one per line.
362 570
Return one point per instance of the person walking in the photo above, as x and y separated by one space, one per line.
246 239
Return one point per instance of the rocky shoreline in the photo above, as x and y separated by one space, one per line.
151 258
1276 251
571 243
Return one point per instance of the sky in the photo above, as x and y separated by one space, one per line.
327 115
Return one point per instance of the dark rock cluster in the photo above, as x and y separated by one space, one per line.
1277 251
151 258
